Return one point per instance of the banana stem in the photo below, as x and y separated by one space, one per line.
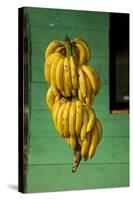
76 160
68 47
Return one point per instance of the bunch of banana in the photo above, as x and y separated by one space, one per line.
82 51
67 77
78 124
89 84
73 87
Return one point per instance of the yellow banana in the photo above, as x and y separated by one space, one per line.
92 78
93 142
58 97
59 74
67 77
73 142
96 77
99 130
74 73
56 108
72 119
81 53
54 90
84 126
67 72
47 66
92 119
89 90
74 53
86 47
52 47
66 120
63 93
53 70
81 98
85 145
50 98
60 119
79 116
82 83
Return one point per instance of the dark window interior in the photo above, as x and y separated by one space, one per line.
119 61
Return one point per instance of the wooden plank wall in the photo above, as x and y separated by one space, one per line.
50 158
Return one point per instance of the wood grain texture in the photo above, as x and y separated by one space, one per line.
61 18
113 125
48 178
57 151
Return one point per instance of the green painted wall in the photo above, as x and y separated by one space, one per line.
49 157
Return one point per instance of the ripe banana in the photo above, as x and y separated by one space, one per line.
54 90
50 98
89 90
99 130
92 78
84 125
66 120
52 47
79 116
67 78
85 145
86 48
56 108
72 119
59 74
82 83
47 66
59 119
92 119
67 72
53 71
74 73
73 142
81 53
93 142
80 96
93 70
58 97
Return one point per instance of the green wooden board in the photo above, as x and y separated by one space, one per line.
39 90
113 125
61 18
57 151
45 178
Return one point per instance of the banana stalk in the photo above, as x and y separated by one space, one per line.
76 159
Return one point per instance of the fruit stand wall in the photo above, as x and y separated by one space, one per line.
49 156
